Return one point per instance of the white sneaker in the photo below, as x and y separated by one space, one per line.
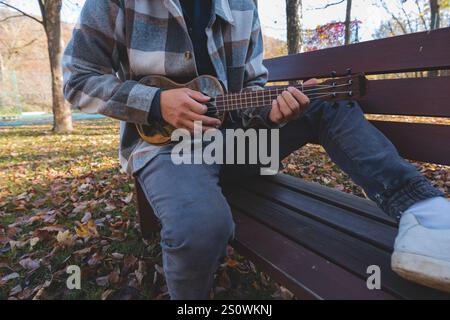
422 255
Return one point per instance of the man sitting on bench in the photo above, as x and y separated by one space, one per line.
117 42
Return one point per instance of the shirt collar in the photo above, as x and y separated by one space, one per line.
221 8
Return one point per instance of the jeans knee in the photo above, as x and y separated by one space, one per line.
212 231
204 236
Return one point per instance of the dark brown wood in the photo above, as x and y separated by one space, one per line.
354 224
412 52
147 219
414 96
305 273
363 207
416 141
339 248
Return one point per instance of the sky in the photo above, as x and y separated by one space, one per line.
273 15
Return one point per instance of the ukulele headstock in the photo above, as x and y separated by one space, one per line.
352 87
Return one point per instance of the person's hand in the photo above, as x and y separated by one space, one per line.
290 105
181 107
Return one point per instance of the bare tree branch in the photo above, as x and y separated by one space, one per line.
21 11
394 17
330 5
408 20
421 15
11 17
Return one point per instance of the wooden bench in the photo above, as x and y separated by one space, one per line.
316 241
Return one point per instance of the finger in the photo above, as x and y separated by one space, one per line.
284 108
198 96
313 81
206 121
299 96
196 107
276 115
292 103
190 126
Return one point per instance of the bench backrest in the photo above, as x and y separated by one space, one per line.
422 96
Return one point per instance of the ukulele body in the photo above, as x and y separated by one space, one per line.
159 133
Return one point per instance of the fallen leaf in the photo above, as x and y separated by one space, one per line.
34 241
110 207
87 216
15 290
65 238
87 230
9 277
102 281
128 198
114 277
140 272
95 259
82 252
17 244
55 228
117 255
29 264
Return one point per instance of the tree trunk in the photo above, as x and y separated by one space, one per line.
51 14
435 15
348 22
2 71
294 30
434 24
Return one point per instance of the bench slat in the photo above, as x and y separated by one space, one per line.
357 226
418 141
417 97
345 251
412 52
343 200
306 274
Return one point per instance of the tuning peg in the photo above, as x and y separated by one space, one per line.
333 74
349 71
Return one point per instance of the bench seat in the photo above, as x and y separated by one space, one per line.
317 241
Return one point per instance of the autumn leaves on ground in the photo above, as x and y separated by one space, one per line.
63 201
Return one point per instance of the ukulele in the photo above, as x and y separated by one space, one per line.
350 88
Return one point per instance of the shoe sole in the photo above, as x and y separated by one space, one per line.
412 267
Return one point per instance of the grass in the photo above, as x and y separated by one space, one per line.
51 188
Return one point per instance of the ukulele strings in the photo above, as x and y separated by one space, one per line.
234 97
312 97
269 104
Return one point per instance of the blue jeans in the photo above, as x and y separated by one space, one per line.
196 218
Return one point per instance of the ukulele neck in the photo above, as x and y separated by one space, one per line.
349 88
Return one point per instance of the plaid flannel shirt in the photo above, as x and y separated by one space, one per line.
117 42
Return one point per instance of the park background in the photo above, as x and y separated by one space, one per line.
63 199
